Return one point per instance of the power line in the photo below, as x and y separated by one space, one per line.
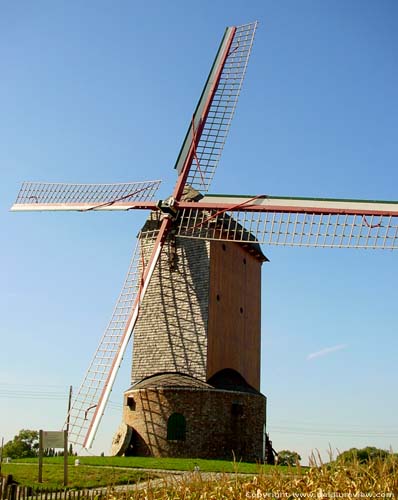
326 433
38 394
303 428
324 424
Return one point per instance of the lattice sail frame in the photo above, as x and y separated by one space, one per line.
62 196
108 356
212 133
293 222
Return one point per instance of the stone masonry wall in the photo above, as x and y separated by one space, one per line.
171 332
218 423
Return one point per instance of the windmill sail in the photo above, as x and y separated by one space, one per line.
305 222
89 404
45 196
211 121
87 399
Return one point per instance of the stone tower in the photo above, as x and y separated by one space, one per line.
196 353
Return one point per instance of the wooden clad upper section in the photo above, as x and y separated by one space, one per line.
234 323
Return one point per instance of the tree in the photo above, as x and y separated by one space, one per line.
362 455
287 457
24 445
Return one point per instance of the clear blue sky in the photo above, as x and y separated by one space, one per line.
103 92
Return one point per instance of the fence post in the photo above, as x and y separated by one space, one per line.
65 458
40 479
12 492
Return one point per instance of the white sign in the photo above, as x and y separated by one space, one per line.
53 439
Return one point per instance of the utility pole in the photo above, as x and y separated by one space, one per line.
69 407
1 452
66 436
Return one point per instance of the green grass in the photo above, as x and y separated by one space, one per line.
183 464
78 477
96 472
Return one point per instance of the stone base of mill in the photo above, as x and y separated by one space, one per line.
194 420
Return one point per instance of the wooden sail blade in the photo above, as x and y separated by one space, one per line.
41 196
266 203
281 221
208 130
89 404
86 400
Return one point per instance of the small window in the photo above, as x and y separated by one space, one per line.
176 427
130 402
237 409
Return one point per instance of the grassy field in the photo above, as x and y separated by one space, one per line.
107 471
183 464
78 477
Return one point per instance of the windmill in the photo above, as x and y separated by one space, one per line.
189 214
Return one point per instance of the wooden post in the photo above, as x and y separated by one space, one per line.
40 480
1 454
12 491
65 458
69 407
66 432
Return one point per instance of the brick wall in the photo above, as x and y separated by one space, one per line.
171 333
218 422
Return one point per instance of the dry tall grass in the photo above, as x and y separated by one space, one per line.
376 479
